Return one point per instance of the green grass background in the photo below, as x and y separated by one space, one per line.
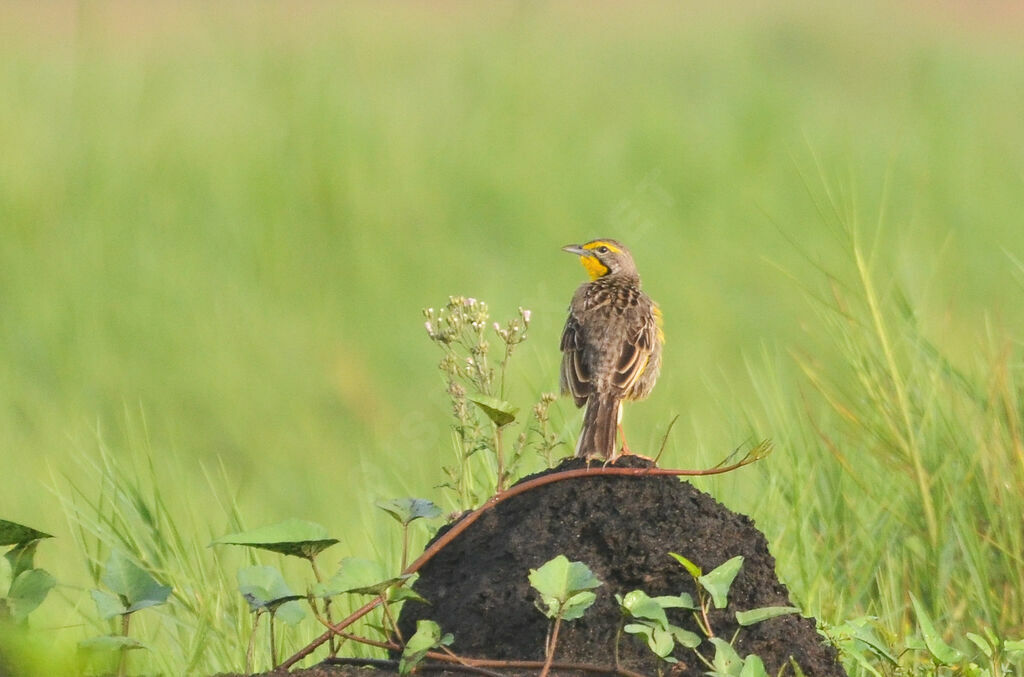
219 225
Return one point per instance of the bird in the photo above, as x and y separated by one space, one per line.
611 345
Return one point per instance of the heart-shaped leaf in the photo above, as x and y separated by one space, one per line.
499 411
264 587
28 591
21 557
12 533
107 605
406 510
427 637
564 587
294 537
638 605
718 581
133 583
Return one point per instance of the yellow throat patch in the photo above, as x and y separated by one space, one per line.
593 266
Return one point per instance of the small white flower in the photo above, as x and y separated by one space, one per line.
430 328
526 316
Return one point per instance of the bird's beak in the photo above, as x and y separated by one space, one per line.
575 249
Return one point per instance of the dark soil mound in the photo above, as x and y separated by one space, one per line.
622 528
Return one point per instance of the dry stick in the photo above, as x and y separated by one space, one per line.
754 455
664 439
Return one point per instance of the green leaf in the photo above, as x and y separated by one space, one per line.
940 651
1013 645
499 411
358 576
660 642
263 587
577 604
638 605
406 510
753 666
681 601
860 632
107 605
111 643
294 537
981 643
727 662
692 568
690 640
21 558
289 610
12 533
138 588
763 614
6 576
718 581
562 585
405 594
28 591
645 630
427 637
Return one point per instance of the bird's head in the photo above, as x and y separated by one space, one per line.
603 257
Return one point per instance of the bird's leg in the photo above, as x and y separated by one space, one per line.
625 447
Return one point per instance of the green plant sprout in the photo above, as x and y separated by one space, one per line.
133 589
266 591
26 586
715 583
565 594
865 642
648 619
357 576
294 537
426 638
406 511
461 329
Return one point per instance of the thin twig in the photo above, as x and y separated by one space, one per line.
664 439
754 455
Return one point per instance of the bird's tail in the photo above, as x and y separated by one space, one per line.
597 439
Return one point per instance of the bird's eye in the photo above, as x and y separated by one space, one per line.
602 250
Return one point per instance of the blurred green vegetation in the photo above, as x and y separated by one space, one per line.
219 225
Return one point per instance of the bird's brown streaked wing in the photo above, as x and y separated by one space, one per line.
574 378
635 354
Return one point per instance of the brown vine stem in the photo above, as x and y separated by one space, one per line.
475 664
551 647
757 453
480 665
